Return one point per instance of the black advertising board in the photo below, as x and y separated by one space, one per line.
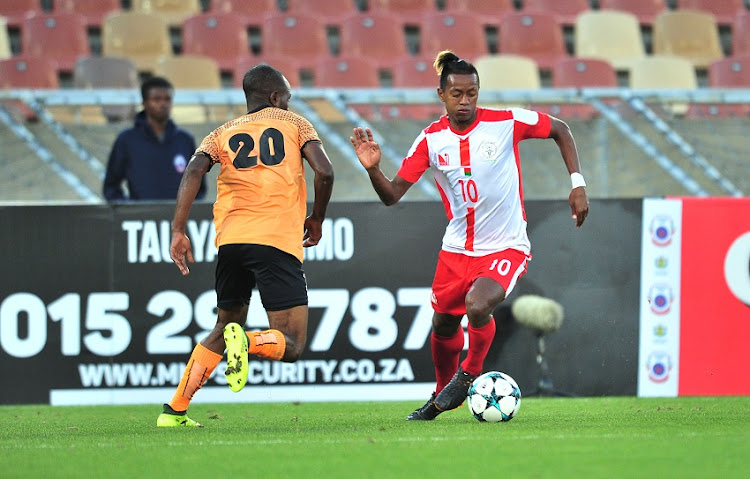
93 311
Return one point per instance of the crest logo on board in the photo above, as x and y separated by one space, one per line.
662 230
659 365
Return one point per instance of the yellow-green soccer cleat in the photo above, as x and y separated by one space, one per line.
170 418
237 357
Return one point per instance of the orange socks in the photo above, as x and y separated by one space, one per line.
199 368
268 344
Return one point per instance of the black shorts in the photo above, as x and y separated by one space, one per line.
277 274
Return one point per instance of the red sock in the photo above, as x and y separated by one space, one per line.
480 340
445 351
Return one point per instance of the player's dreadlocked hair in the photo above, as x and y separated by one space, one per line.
262 80
447 62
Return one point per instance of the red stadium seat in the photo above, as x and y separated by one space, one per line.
92 11
536 35
645 10
415 72
331 11
289 66
403 7
221 36
28 72
741 34
458 31
724 11
564 11
244 7
61 36
346 72
581 73
490 10
302 36
731 72
15 11
377 35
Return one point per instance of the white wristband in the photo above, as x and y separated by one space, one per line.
576 180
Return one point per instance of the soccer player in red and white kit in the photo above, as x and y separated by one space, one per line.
473 154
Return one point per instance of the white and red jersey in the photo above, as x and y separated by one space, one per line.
478 175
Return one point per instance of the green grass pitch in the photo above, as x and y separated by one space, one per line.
581 437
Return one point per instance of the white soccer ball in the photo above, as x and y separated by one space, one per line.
494 397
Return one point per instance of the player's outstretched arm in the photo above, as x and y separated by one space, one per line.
180 249
323 184
579 202
369 154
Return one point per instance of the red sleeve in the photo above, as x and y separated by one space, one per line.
417 161
530 124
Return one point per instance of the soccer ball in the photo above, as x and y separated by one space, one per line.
494 397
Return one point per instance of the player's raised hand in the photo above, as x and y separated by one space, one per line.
179 250
579 205
368 151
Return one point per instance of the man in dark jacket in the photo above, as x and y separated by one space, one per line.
151 155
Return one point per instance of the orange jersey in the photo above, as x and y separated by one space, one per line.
261 196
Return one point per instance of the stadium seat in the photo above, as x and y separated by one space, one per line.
724 11
107 72
174 12
415 72
142 37
536 35
331 11
61 36
609 35
508 72
5 49
565 11
403 7
490 10
289 66
346 72
244 7
645 10
302 36
732 72
15 11
24 71
662 72
221 36
188 72
741 34
689 34
581 73
377 35
92 11
458 31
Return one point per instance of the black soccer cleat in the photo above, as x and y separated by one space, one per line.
454 393
428 412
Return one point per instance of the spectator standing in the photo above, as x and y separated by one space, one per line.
151 156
